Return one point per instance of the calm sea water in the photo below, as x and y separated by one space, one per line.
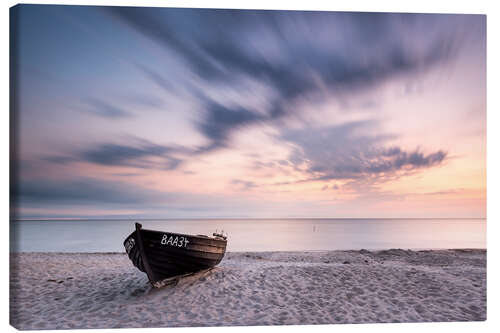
257 235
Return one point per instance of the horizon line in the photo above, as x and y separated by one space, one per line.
248 218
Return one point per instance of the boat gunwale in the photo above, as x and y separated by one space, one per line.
218 248
187 235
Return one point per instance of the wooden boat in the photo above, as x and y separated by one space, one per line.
167 256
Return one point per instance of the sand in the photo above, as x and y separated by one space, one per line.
67 291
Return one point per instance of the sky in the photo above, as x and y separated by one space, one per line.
135 112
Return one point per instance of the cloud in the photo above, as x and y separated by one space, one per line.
452 191
83 191
143 100
104 109
126 174
59 198
139 156
155 77
345 152
58 159
293 53
219 121
218 51
139 153
245 185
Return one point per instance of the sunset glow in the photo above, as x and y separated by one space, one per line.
162 112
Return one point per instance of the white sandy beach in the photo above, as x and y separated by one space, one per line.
67 291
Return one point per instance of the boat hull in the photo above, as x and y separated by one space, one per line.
164 255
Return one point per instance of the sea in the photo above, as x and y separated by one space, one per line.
255 234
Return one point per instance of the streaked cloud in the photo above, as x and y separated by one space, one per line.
244 185
87 191
345 152
104 109
377 50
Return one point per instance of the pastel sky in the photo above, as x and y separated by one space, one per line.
130 112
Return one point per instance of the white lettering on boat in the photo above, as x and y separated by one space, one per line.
129 244
178 241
